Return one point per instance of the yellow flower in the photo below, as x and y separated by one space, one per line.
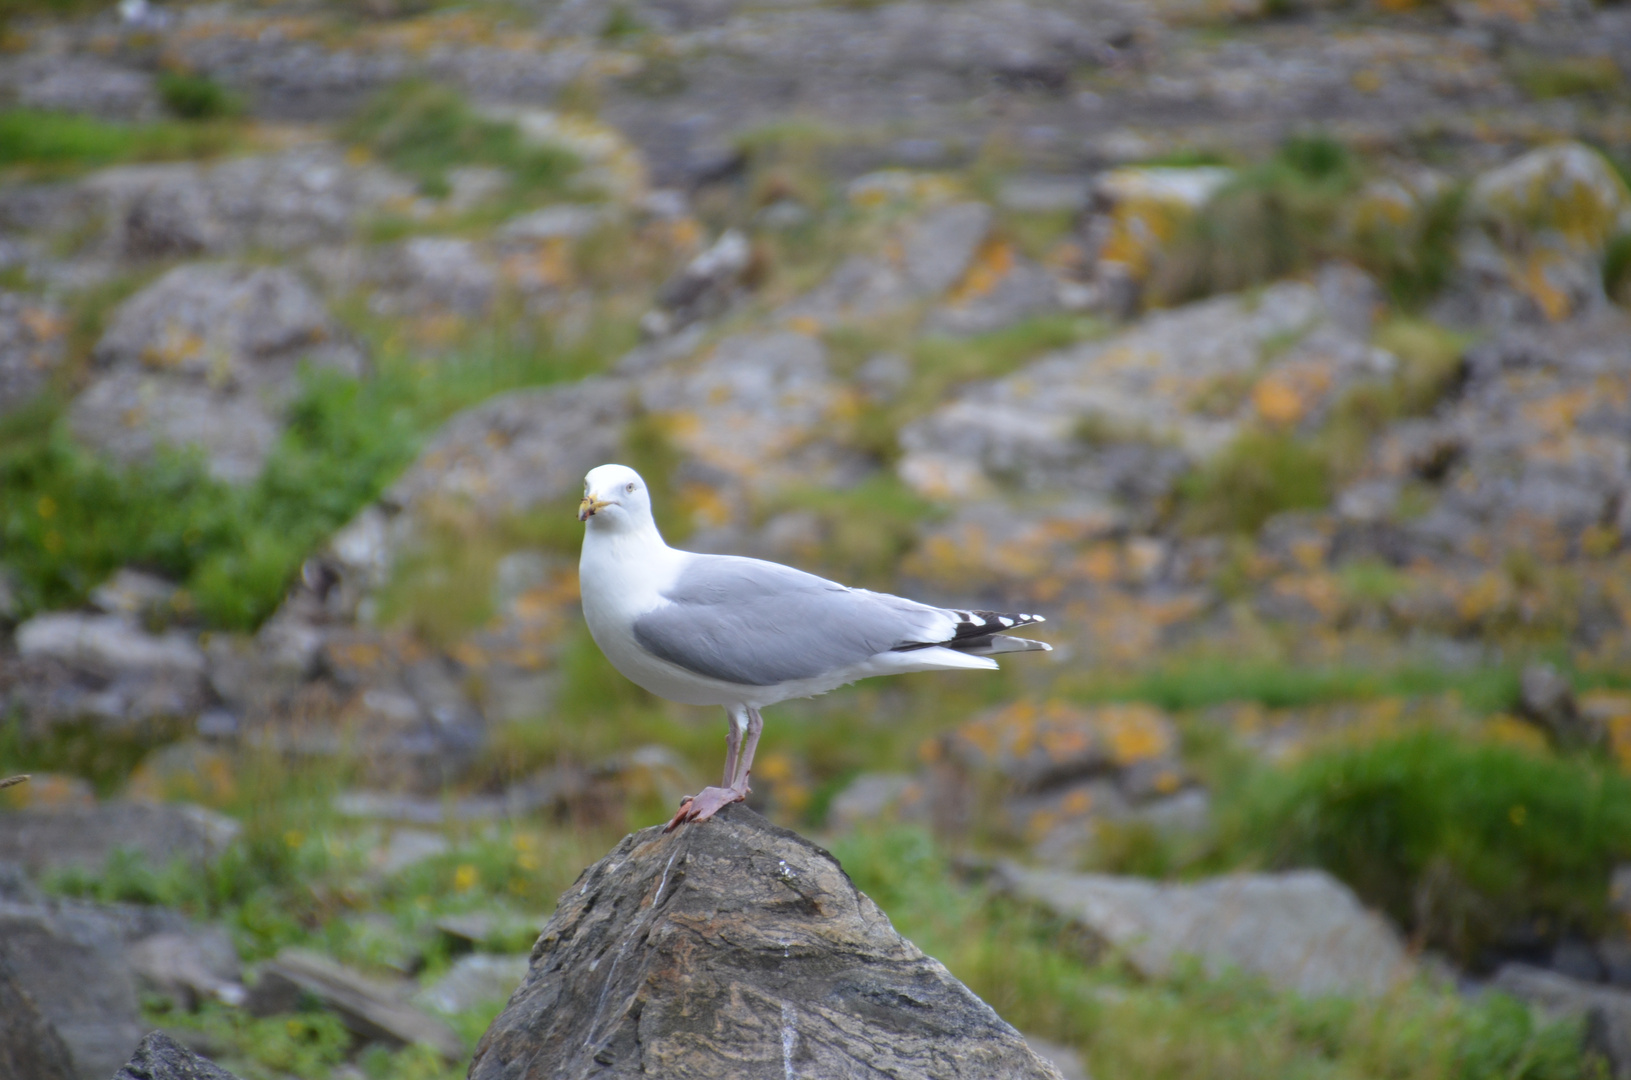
1518 814
294 838
465 877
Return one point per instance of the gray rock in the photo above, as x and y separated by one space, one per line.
737 950
84 837
373 1011
1061 1057
1607 1011
940 247
84 83
1302 931
189 967
434 273
206 356
1546 697
1121 419
71 666
72 963
159 1057
30 1048
869 797
1024 290
32 333
475 980
564 222
704 289
1044 194
108 645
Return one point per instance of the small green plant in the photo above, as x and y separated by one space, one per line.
1260 474
1414 258
197 97
423 129
1459 841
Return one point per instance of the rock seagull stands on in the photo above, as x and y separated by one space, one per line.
744 633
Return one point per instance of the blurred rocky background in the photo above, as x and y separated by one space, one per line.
1277 350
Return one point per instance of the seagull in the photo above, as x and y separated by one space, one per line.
746 633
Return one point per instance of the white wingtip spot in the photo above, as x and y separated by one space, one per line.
1005 620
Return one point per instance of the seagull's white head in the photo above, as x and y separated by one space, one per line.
614 497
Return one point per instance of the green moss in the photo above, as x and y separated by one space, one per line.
53 143
423 129
197 97
1460 842
1270 222
1257 476
1569 76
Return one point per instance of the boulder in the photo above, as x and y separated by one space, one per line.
737 949
1539 228
189 966
71 961
371 1010
84 837
159 1057
703 290
32 333
434 274
207 357
76 665
1302 931
84 83
30 1048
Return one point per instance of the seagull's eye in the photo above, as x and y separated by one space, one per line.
630 488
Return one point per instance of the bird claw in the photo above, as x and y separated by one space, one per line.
704 805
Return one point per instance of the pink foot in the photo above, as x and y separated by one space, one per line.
704 805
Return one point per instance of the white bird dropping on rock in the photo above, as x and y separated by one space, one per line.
745 633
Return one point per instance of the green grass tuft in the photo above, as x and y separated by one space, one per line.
423 129
1257 476
197 97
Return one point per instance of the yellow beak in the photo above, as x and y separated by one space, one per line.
587 508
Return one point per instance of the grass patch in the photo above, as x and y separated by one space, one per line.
860 533
1190 1025
53 143
1260 474
422 129
1412 258
1461 842
1544 78
1183 685
1617 270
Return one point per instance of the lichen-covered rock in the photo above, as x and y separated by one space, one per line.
737 950
1119 420
1540 227
76 666
207 356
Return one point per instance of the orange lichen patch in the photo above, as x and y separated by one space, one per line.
42 324
1027 737
50 790
190 772
991 263
704 505
1136 732
543 265
176 346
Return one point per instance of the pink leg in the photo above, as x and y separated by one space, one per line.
709 801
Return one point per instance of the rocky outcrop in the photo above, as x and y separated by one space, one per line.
207 357
736 950
159 1057
32 333
1302 931
1606 1011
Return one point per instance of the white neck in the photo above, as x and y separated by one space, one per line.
624 570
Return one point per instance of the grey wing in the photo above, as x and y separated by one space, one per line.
757 623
